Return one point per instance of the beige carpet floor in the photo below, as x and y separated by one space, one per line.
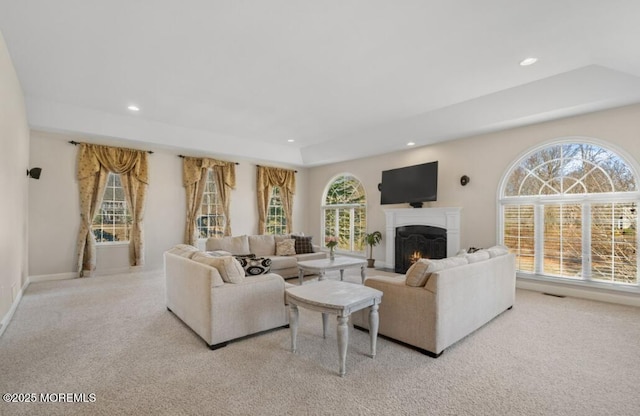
112 336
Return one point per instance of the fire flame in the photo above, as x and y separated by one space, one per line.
415 256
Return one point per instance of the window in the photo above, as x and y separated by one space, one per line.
211 220
112 222
276 220
344 213
569 211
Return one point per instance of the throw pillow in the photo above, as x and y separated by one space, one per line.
286 248
434 266
254 266
303 244
496 251
479 255
229 268
417 274
183 250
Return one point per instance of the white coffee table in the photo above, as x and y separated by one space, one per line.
322 265
339 298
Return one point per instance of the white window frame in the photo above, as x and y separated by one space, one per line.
586 201
337 208
218 211
280 219
111 229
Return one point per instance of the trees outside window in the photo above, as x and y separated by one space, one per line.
211 219
276 222
112 222
569 210
344 213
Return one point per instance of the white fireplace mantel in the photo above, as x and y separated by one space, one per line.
447 218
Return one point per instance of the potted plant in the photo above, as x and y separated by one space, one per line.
372 239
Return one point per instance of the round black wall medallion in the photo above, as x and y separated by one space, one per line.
464 180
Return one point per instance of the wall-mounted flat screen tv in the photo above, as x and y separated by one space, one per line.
411 184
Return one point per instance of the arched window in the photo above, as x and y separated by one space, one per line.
569 210
344 212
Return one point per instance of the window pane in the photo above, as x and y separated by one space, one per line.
344 213
276 222
211 221
563 240
519 235
613 242
112 222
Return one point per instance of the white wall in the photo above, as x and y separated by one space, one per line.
484 159
14 162
54 208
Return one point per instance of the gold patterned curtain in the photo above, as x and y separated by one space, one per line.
194 178
94 164
267 178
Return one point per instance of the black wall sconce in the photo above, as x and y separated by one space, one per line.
464 180
34 173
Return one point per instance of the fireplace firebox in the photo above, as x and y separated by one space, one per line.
413 242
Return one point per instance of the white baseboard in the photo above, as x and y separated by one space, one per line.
7 317
622 298
49 277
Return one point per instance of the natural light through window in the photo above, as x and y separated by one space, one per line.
569 210
211 221
344 213
112 221
276 220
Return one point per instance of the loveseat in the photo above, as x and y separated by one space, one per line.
213 296
284 259
439 302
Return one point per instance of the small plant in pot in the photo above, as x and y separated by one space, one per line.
372 239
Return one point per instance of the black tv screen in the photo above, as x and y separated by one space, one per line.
412 184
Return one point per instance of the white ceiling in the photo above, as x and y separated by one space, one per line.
343 78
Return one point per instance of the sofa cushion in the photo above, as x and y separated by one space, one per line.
281 237
433 266
498 250
318 255
183 250
218 253
262 245
479 255
230 269
286 248
234 245
283 262
303 244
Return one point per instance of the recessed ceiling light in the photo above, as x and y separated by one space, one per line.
528 61
133 108
411 144
291 140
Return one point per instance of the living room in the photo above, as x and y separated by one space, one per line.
482 134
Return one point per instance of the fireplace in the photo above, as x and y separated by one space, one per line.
414 242
447 219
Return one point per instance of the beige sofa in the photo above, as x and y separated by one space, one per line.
451 303
219 310
265 246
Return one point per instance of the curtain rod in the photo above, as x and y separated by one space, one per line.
77 143
183 156
260 166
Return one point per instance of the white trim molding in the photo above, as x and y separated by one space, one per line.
447 218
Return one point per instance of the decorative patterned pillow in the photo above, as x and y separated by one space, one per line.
286 248
303 244
253 265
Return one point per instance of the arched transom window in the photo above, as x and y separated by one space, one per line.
344 212
569 210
